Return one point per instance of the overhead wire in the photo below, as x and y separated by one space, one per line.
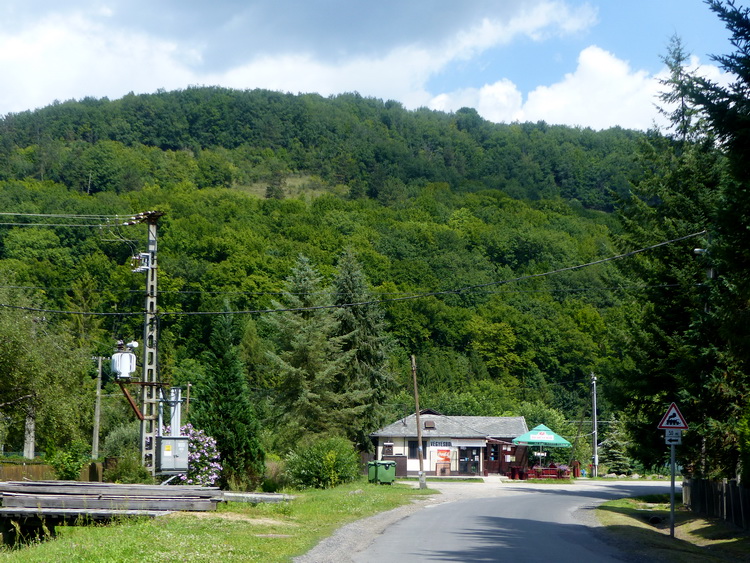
409 297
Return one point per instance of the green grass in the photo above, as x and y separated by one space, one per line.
697 539
236 532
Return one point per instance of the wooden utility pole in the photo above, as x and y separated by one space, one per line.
422 482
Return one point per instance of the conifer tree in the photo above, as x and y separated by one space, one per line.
307 362
727 110
673 338
367 376
614 449
224 410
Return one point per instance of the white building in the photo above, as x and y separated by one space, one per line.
453 445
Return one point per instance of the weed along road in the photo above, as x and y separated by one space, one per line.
510 521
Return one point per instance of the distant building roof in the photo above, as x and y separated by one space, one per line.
443 426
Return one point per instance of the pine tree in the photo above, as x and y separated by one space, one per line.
308 361
674 339
614 449
367 376
728 114
225 412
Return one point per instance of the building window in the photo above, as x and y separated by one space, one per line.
414 451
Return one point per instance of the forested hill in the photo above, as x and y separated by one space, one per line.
370 147
375 232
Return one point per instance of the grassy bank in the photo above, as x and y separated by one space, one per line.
642 526
236 532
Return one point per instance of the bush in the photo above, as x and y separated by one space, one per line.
324 464
275 477
128 470
204 467
122 440
67 464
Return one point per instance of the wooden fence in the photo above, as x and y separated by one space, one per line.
718 499
16 471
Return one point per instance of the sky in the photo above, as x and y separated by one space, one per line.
587 63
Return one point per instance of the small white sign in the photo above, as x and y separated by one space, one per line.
673 440
542 436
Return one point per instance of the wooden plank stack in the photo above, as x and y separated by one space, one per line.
36 507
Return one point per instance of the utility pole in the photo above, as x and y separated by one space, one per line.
97 410
595 461
150 394
422 482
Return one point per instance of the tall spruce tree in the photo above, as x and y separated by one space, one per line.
308 362
366 376
728 114
224 409
674 339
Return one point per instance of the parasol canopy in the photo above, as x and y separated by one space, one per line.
541 436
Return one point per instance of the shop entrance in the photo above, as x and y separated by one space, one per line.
468 460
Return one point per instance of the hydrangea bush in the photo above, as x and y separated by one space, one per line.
204 466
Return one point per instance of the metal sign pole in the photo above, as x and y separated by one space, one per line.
671 493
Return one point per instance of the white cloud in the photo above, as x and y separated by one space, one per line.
498 102
85 54
602 92
73 58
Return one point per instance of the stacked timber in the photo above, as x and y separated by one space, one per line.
92 499
33 508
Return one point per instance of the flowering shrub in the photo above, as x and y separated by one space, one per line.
204 466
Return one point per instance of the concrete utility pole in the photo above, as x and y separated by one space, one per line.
595 435
150 394
422 482
97 410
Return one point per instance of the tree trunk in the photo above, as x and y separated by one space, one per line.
29 435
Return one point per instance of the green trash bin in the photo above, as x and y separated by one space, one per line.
372 471
386 472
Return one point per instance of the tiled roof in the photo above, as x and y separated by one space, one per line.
456 427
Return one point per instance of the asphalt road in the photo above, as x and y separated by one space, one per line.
506 522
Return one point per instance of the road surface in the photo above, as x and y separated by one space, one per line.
491 521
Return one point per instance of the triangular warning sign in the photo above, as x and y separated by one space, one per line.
673 419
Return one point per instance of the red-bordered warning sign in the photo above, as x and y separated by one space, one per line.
673 419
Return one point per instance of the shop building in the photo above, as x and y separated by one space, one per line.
453 445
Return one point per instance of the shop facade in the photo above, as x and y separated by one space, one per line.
453 445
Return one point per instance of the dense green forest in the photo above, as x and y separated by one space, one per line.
310 245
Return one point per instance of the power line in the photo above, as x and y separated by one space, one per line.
60 215
374 301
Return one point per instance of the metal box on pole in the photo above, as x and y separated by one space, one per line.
171 454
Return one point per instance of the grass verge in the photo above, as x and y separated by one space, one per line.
641 525
235 532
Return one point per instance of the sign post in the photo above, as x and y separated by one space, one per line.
673 423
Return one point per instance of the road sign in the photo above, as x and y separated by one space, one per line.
673 440
673 419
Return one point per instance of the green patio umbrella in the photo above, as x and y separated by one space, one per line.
541 436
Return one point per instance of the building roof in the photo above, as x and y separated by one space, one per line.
441 426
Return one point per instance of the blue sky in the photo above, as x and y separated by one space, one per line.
591 63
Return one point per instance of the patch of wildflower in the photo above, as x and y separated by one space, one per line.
204 466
